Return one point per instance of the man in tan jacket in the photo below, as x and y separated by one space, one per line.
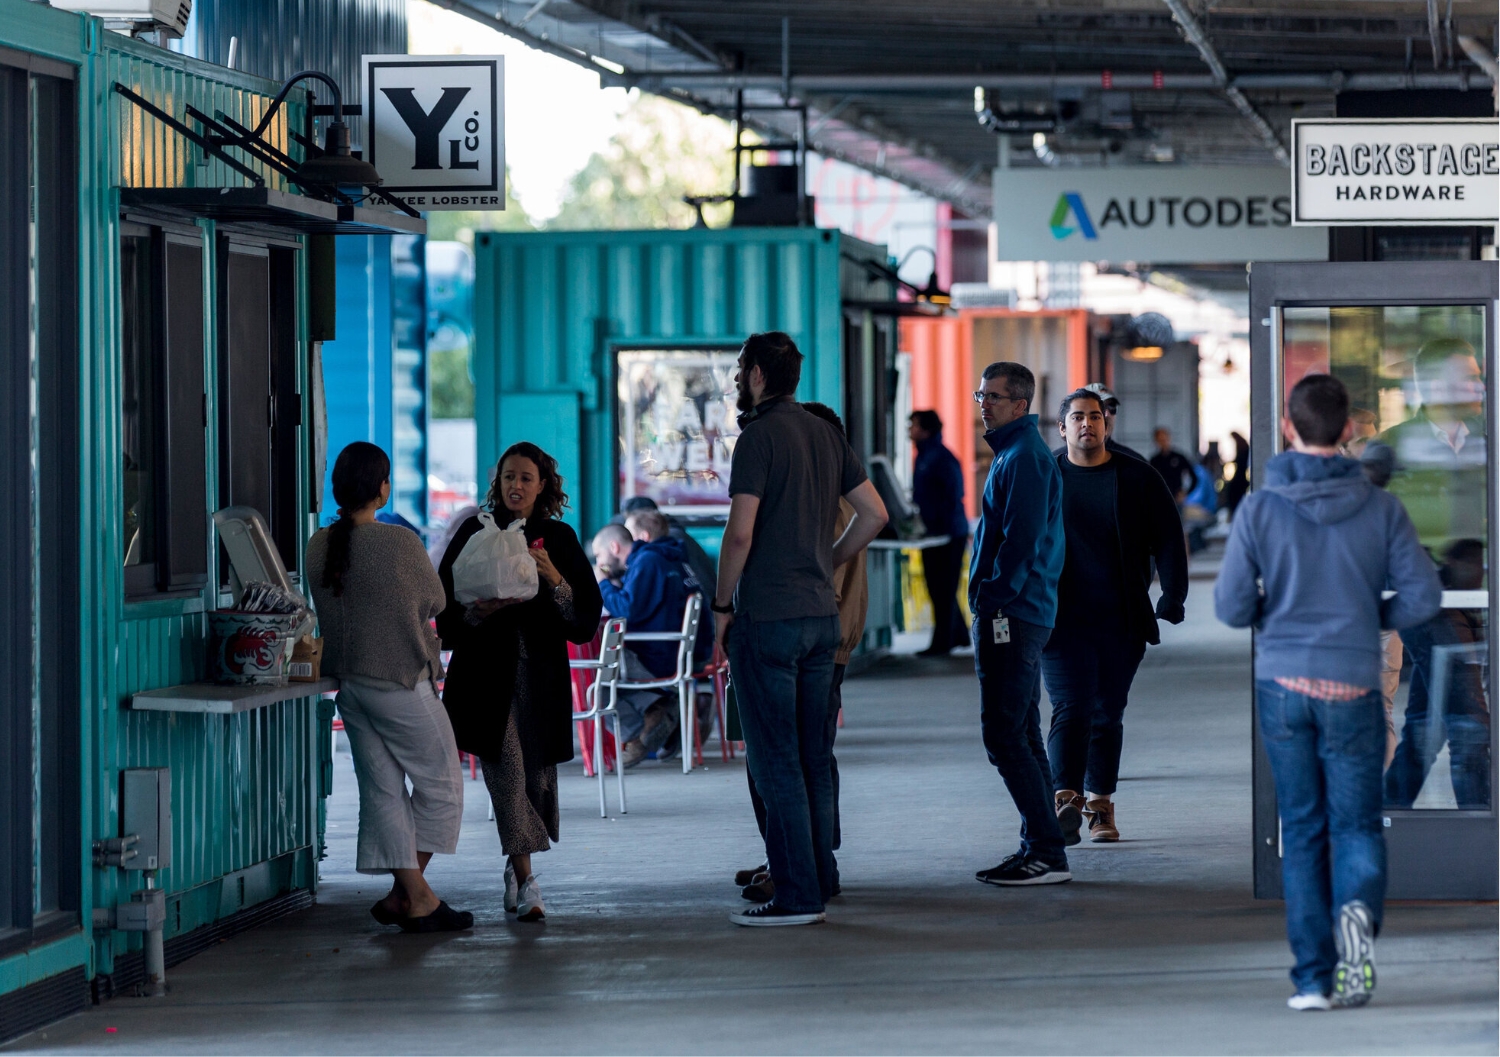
851 588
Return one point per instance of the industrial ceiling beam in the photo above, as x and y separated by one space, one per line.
1198 39
1336 81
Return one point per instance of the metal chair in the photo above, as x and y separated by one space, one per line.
607 677
682 679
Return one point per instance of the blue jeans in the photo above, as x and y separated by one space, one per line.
1010 693
1326 757
1088 677
783 672
835 706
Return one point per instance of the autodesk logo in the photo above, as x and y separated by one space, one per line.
1071 200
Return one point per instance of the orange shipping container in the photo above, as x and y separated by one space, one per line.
948 352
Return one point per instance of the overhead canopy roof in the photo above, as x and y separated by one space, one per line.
891 84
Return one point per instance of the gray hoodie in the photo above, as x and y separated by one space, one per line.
1308 559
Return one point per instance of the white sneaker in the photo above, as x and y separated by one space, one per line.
511 889
529 906
1309 1001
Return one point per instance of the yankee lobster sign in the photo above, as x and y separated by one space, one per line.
435 128
1396 171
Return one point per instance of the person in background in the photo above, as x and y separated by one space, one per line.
938 490
1309 558
643 582
1111 415
375 593
1239 481
1175 468
851 590
1435 462
777 613
1013 575
705 571
1117 517
509 691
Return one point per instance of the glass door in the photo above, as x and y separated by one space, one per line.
1415 345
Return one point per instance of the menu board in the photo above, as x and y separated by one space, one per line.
677 426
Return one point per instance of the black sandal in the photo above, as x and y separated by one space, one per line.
384 916
443 919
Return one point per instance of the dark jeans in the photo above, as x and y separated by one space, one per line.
1461 719
1010 691
1088 675
835 703
1326 758
782 672
941 567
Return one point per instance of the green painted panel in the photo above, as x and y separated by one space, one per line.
551 307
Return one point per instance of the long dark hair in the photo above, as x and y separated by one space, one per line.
358 473
553 500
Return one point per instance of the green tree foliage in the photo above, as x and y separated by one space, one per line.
662 151
452 388
459 225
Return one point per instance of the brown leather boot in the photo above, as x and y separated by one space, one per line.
1101 816
1069 807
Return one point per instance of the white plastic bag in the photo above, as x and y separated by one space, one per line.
494 564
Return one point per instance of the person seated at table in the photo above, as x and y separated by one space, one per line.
643 582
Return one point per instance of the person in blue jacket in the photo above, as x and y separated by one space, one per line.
937 488
650 592
1017 562
1310 560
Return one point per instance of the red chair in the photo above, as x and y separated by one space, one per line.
716 672
582 679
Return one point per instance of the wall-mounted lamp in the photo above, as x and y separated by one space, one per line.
336 166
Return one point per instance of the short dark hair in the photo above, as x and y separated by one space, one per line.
637 503
826 413
928 421
779 360
1319 408
1020 383
1078 394
1433 356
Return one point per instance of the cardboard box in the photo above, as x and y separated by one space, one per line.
307 660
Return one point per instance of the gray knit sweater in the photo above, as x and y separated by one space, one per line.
378 628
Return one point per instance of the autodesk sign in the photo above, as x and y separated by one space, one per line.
1163 215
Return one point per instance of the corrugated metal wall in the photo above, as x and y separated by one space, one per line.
246 788
551 308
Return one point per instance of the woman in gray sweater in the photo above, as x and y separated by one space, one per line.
376 593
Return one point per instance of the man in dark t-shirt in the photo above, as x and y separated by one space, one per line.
1175 468
1117 517
776 613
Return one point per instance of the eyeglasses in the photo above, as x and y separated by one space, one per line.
981 397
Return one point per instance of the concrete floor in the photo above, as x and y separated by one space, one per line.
1156 947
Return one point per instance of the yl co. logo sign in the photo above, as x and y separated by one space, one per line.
435 128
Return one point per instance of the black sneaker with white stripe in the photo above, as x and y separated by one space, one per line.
1021 869
771 914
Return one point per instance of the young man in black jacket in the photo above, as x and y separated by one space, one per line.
1117 517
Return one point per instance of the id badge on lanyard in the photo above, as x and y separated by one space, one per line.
1001 629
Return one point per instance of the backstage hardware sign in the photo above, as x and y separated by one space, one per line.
435 128
1159 214
1388 171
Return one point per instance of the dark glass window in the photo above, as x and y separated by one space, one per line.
138 408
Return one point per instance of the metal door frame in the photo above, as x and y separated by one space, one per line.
1450 854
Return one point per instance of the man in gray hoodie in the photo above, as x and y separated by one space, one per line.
1310 556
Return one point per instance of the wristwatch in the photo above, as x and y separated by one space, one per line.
721 609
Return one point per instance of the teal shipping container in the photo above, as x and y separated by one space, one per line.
156 361
613 351
555 312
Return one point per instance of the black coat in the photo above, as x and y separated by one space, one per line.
1149 528
482 672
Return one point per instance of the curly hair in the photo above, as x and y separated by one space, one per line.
552 501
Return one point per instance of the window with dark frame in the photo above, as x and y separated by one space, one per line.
162 410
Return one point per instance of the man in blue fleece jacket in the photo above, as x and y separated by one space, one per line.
1013 574
1310 556
651 595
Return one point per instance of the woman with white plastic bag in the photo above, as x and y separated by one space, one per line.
509 690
